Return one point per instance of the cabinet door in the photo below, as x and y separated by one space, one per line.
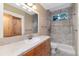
30 53
38 51
7 25
41 50
45 48
17 26
48 47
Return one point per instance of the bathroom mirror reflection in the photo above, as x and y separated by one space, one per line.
19 19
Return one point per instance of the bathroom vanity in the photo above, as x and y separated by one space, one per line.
17 31
37 46
42 49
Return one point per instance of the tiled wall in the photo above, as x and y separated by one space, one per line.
61 31
42 19
75 26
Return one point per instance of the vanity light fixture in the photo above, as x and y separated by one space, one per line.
28 6
21 5
34 7
24 7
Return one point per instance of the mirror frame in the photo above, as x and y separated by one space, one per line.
22 17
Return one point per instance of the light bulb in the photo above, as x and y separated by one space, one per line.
34 7
30 4
24 7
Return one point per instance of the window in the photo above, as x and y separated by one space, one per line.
60 16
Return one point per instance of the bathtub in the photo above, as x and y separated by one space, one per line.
62 49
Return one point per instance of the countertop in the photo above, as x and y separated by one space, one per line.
16 48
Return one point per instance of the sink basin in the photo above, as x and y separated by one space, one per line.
33 40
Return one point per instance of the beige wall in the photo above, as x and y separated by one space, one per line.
42 16
75 28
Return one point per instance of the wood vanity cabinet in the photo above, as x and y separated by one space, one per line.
42 49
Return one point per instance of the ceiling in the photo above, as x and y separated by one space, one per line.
21 8
54 6
48 6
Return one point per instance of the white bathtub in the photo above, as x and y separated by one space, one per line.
63 49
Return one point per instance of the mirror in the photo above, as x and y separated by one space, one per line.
19 19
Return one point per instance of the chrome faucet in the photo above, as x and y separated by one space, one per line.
30 37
